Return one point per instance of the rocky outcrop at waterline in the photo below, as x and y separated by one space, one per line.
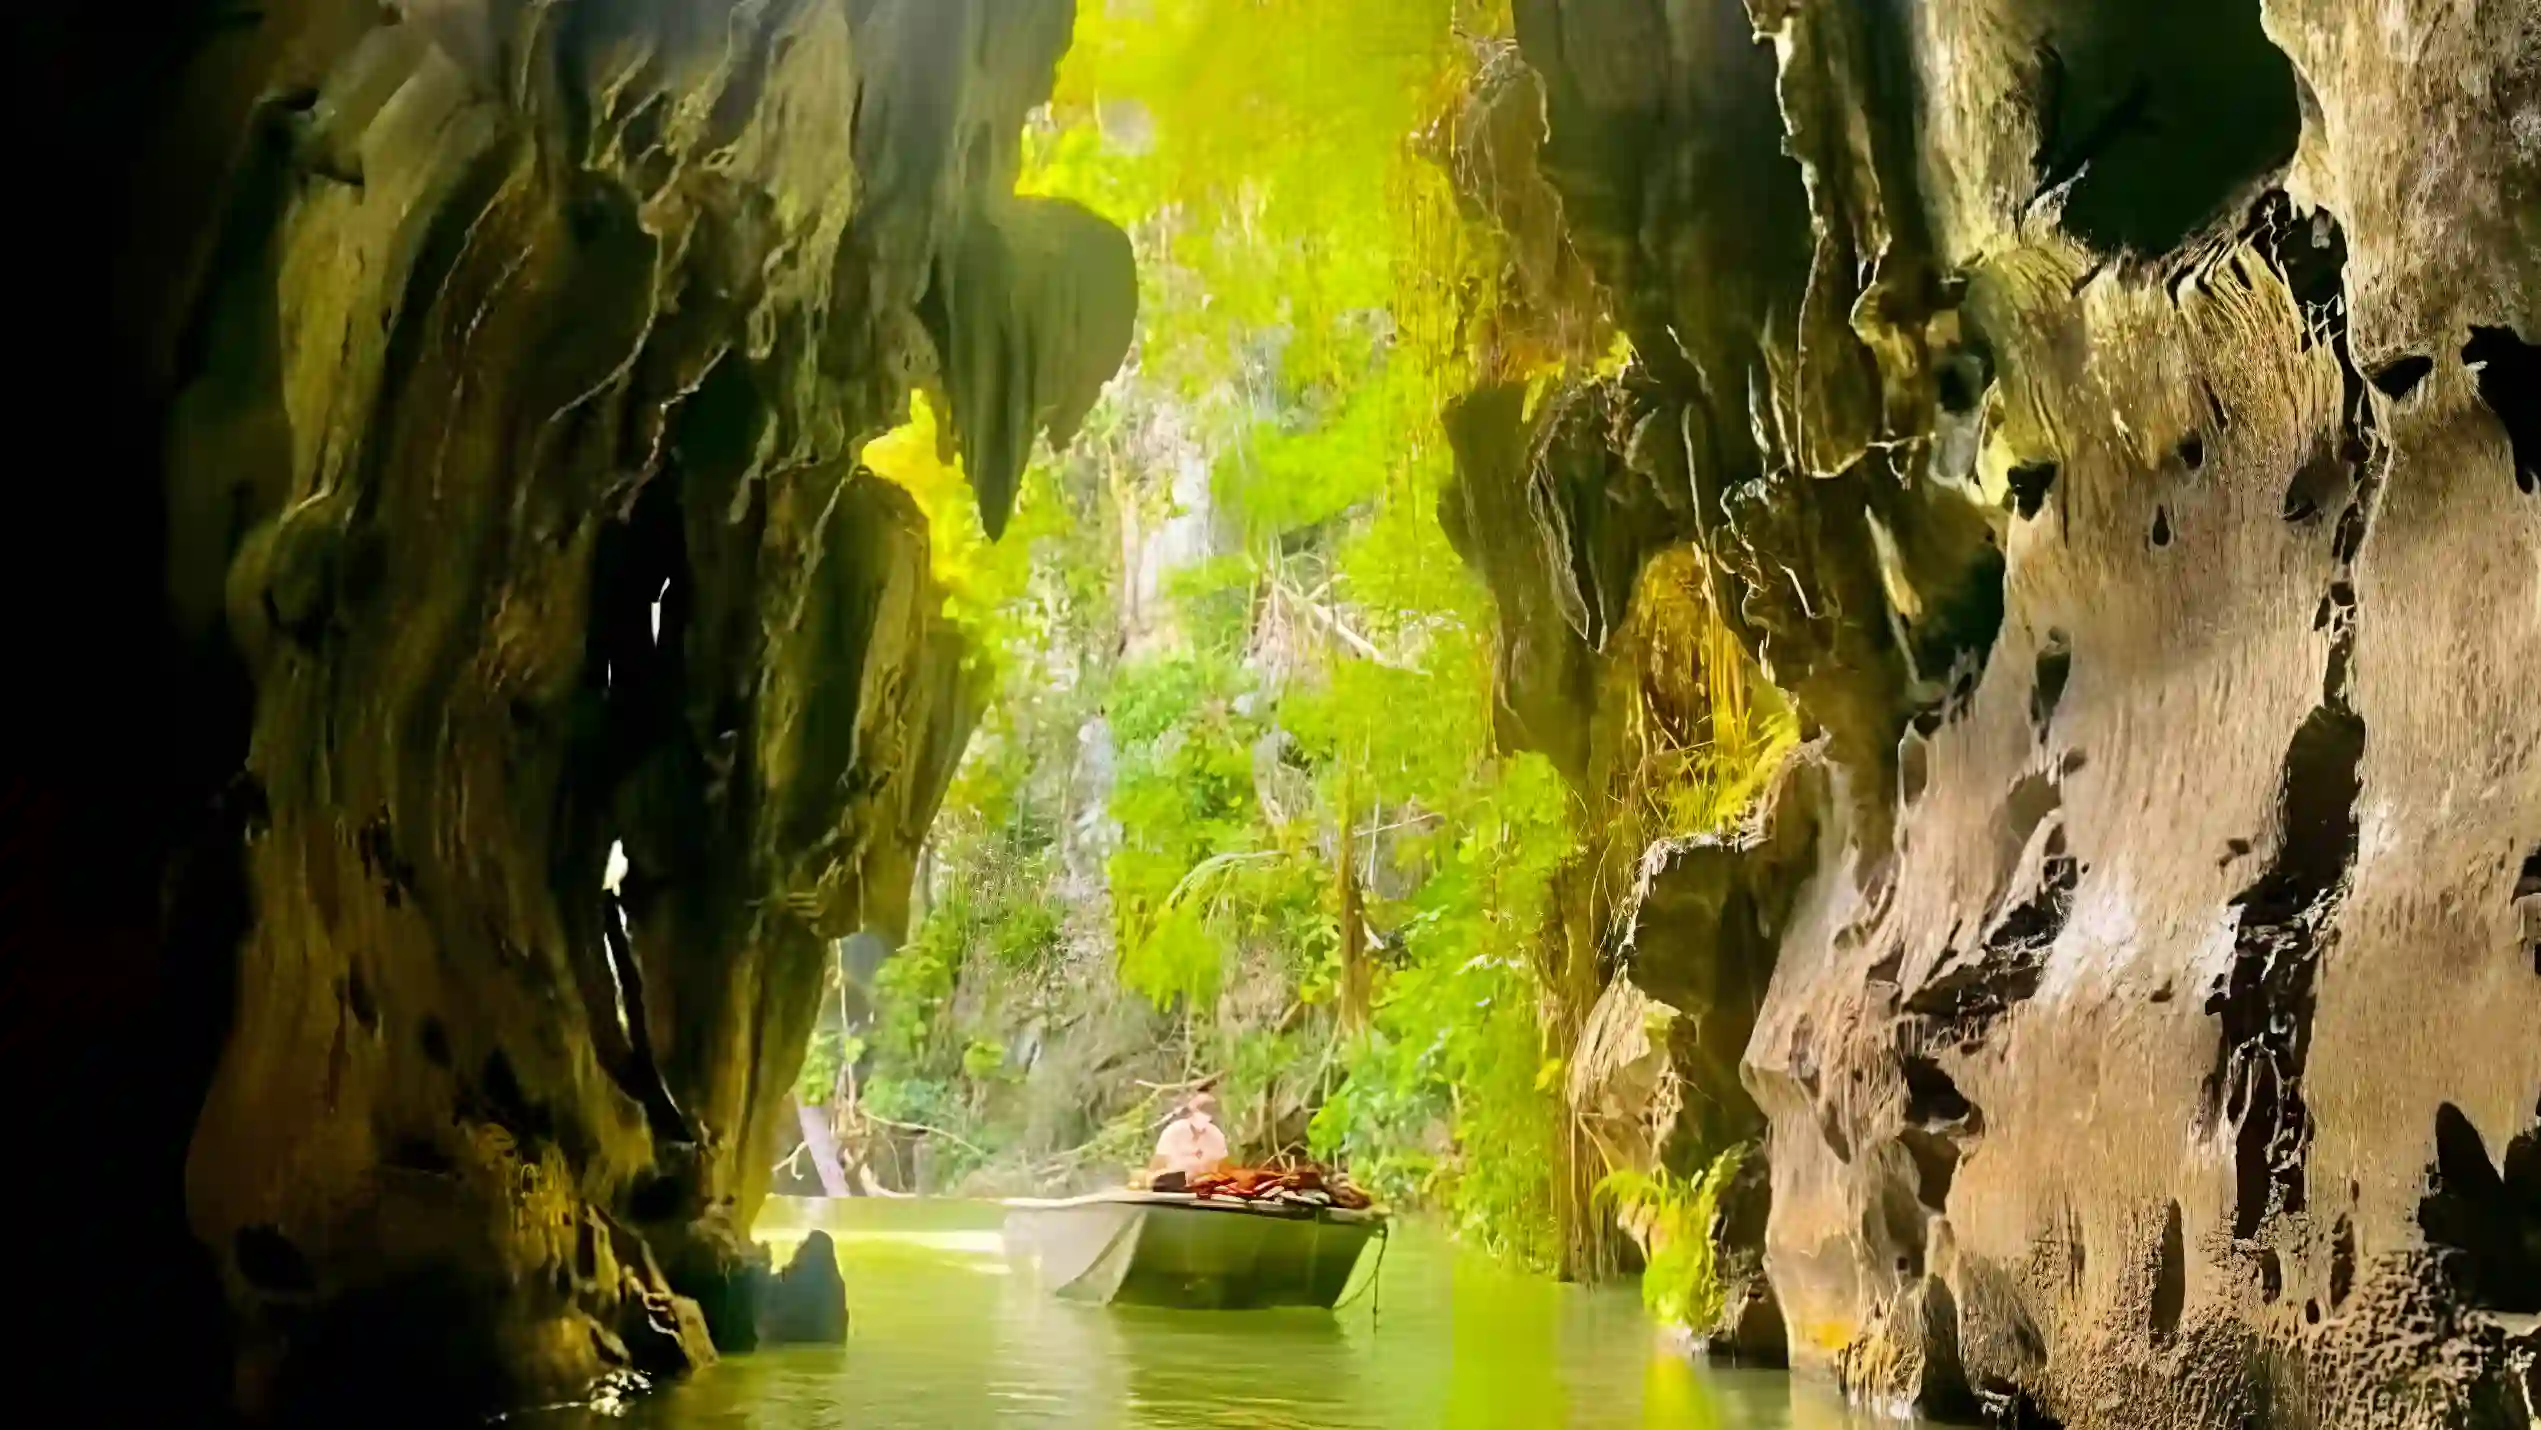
2109 423
552 686
807 1301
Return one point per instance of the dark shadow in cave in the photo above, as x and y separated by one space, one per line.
2527 896
630 742
2399 377
2509 371
2265 1001
2029 484
2484 1219
2054 672
2170 1278
2157 114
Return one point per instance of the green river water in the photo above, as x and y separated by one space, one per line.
945 1337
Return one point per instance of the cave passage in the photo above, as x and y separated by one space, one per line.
1666 711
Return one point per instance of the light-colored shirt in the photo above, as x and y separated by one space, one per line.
1191 1145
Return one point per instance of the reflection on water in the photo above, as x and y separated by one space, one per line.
944 1337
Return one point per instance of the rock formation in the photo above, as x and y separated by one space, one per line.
807 1301
470 679
2110 425
555 687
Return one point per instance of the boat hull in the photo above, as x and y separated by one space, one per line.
1165 1249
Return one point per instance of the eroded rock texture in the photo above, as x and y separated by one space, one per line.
2111 424
1609 663
495 371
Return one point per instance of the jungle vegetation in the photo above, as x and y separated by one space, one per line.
1235 811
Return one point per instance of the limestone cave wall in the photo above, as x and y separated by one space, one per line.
503 682
2110 424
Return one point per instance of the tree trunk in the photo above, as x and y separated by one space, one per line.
823 1147
1355 982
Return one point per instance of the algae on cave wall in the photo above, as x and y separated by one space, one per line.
508 409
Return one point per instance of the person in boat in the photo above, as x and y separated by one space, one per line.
1192 1145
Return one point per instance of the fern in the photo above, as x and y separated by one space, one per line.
1681 1281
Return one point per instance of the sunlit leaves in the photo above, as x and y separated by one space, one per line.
1272 130
1306 273
1316 736
1673 1215
986 584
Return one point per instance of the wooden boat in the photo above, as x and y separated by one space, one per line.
1174 1249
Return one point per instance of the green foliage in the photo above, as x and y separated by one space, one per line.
1681 1282
912 990
1174 958
1151 698
1455 1057
1028 934
919 1069
1305 274
1184 799
1258 150
830 1052
1307 286
983 1058
1321 464
983 581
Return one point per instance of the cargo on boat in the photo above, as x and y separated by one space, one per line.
1174 1249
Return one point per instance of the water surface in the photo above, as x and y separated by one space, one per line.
945 1337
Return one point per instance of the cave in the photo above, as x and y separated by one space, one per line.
596 328
2509 371
647 625
2153 118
